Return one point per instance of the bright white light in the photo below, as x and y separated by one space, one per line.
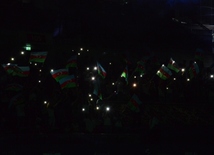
211 76
45 102
87 50
81 49
12 59
167 88
8 64
174 79
173 62
141 75
162 65
135 77
89 95
134 85
107 108
97 108
109 63
195 62
92 78
83 109
188 79
95 68
39 81
52 70
87 68
91 99
183 70
35 64
158 71
40 70
78 53
113 83
22 52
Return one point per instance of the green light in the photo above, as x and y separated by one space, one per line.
28 47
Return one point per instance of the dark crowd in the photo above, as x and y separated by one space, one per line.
43 107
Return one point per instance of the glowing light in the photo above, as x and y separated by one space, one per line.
134 85
40 70
39 81
167 88
89 95
12 59
91 99
30 62
81 49
97 108
95 68
78 53
8 64
107 108
162 65
22 52
174 79
45 102
173 62
92 78
87 50
211 76
52 70
83 109
113 83
141 75
109 63
135 77
35 64
28 47
87 68
183 69
158 71
188 79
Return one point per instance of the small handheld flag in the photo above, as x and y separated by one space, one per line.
101 70
38 57
164 73
59 74
68 81
125 74
173 65
134 103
